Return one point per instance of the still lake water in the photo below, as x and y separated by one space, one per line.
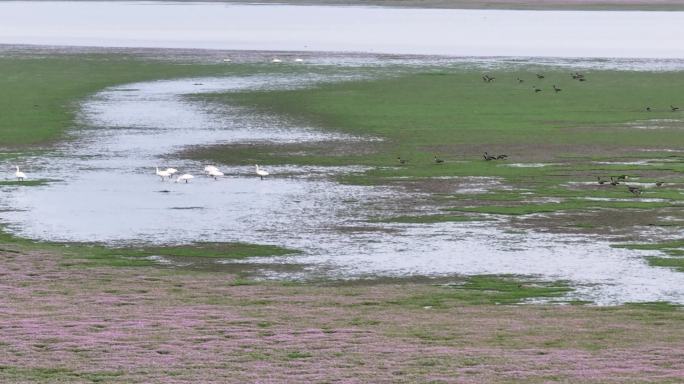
345 29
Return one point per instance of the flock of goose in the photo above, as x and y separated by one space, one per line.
209 170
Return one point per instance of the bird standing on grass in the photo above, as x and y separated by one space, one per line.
674 109
636 191
401 161
438 160
556 88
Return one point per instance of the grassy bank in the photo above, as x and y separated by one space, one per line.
40 91
558 142
94 255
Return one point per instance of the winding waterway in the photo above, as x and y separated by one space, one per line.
109 193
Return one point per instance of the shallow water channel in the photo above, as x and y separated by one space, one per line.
108 192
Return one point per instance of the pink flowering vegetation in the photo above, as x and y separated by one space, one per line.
150 325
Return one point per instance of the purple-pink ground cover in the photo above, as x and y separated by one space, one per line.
148 325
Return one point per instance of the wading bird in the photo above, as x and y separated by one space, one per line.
298 60
488 157
171 171
19 174
162 174
276 60
260 172
210 168
185 177
438 160
215 173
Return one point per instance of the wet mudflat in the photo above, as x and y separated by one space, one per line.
108 193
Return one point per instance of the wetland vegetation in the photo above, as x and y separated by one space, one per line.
115 314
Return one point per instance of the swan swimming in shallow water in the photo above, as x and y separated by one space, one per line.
261 172
19 174
215 173
210 168
185 177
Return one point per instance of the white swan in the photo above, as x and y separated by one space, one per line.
261 172
171 171
227 60
298 60
210 168
276 60
19 174
215 173
185 177
162 174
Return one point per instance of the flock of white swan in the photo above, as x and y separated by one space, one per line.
209 170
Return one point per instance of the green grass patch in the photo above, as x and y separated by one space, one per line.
80 254
670 262
295 355
40 92
488 290
53 375
25 183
